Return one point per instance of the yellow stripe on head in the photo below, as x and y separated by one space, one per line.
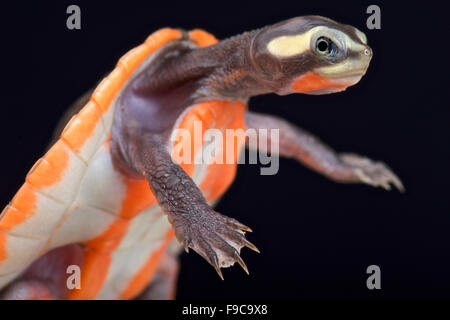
335 54
287 46
291 45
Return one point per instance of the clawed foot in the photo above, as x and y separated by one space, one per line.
216 237
371 172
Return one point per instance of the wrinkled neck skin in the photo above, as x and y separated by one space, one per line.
233 75
179 76
221 71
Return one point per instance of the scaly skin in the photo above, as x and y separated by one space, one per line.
308 149
196 225
283 59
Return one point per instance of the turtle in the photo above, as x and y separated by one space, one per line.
109 197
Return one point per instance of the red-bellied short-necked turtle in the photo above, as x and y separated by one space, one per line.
108 196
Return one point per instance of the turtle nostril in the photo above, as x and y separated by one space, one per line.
367 52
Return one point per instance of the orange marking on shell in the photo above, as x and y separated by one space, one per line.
202 38
146 273
161 37
133 58
109 87
110 239
187 123
220 176
50 169
94 272
82 126
3 253
98 256
220 115
138 198
312 81
22 207
12 217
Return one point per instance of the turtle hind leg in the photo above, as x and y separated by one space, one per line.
46 278
27 290
308 149
163 284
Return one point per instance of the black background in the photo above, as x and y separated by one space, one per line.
316 237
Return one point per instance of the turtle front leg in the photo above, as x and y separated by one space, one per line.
308 149
216 237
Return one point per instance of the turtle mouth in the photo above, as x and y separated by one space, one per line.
313 83
350 79
324 91
337 85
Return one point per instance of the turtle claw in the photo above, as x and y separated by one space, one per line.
371 172
250 245
241 262
216 238
233 223
186 244
217 267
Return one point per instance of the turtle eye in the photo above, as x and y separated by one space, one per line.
326 47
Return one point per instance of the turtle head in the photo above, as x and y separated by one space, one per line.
309 54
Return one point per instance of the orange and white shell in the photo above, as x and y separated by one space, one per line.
73 194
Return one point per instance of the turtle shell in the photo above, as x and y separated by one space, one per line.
73 194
